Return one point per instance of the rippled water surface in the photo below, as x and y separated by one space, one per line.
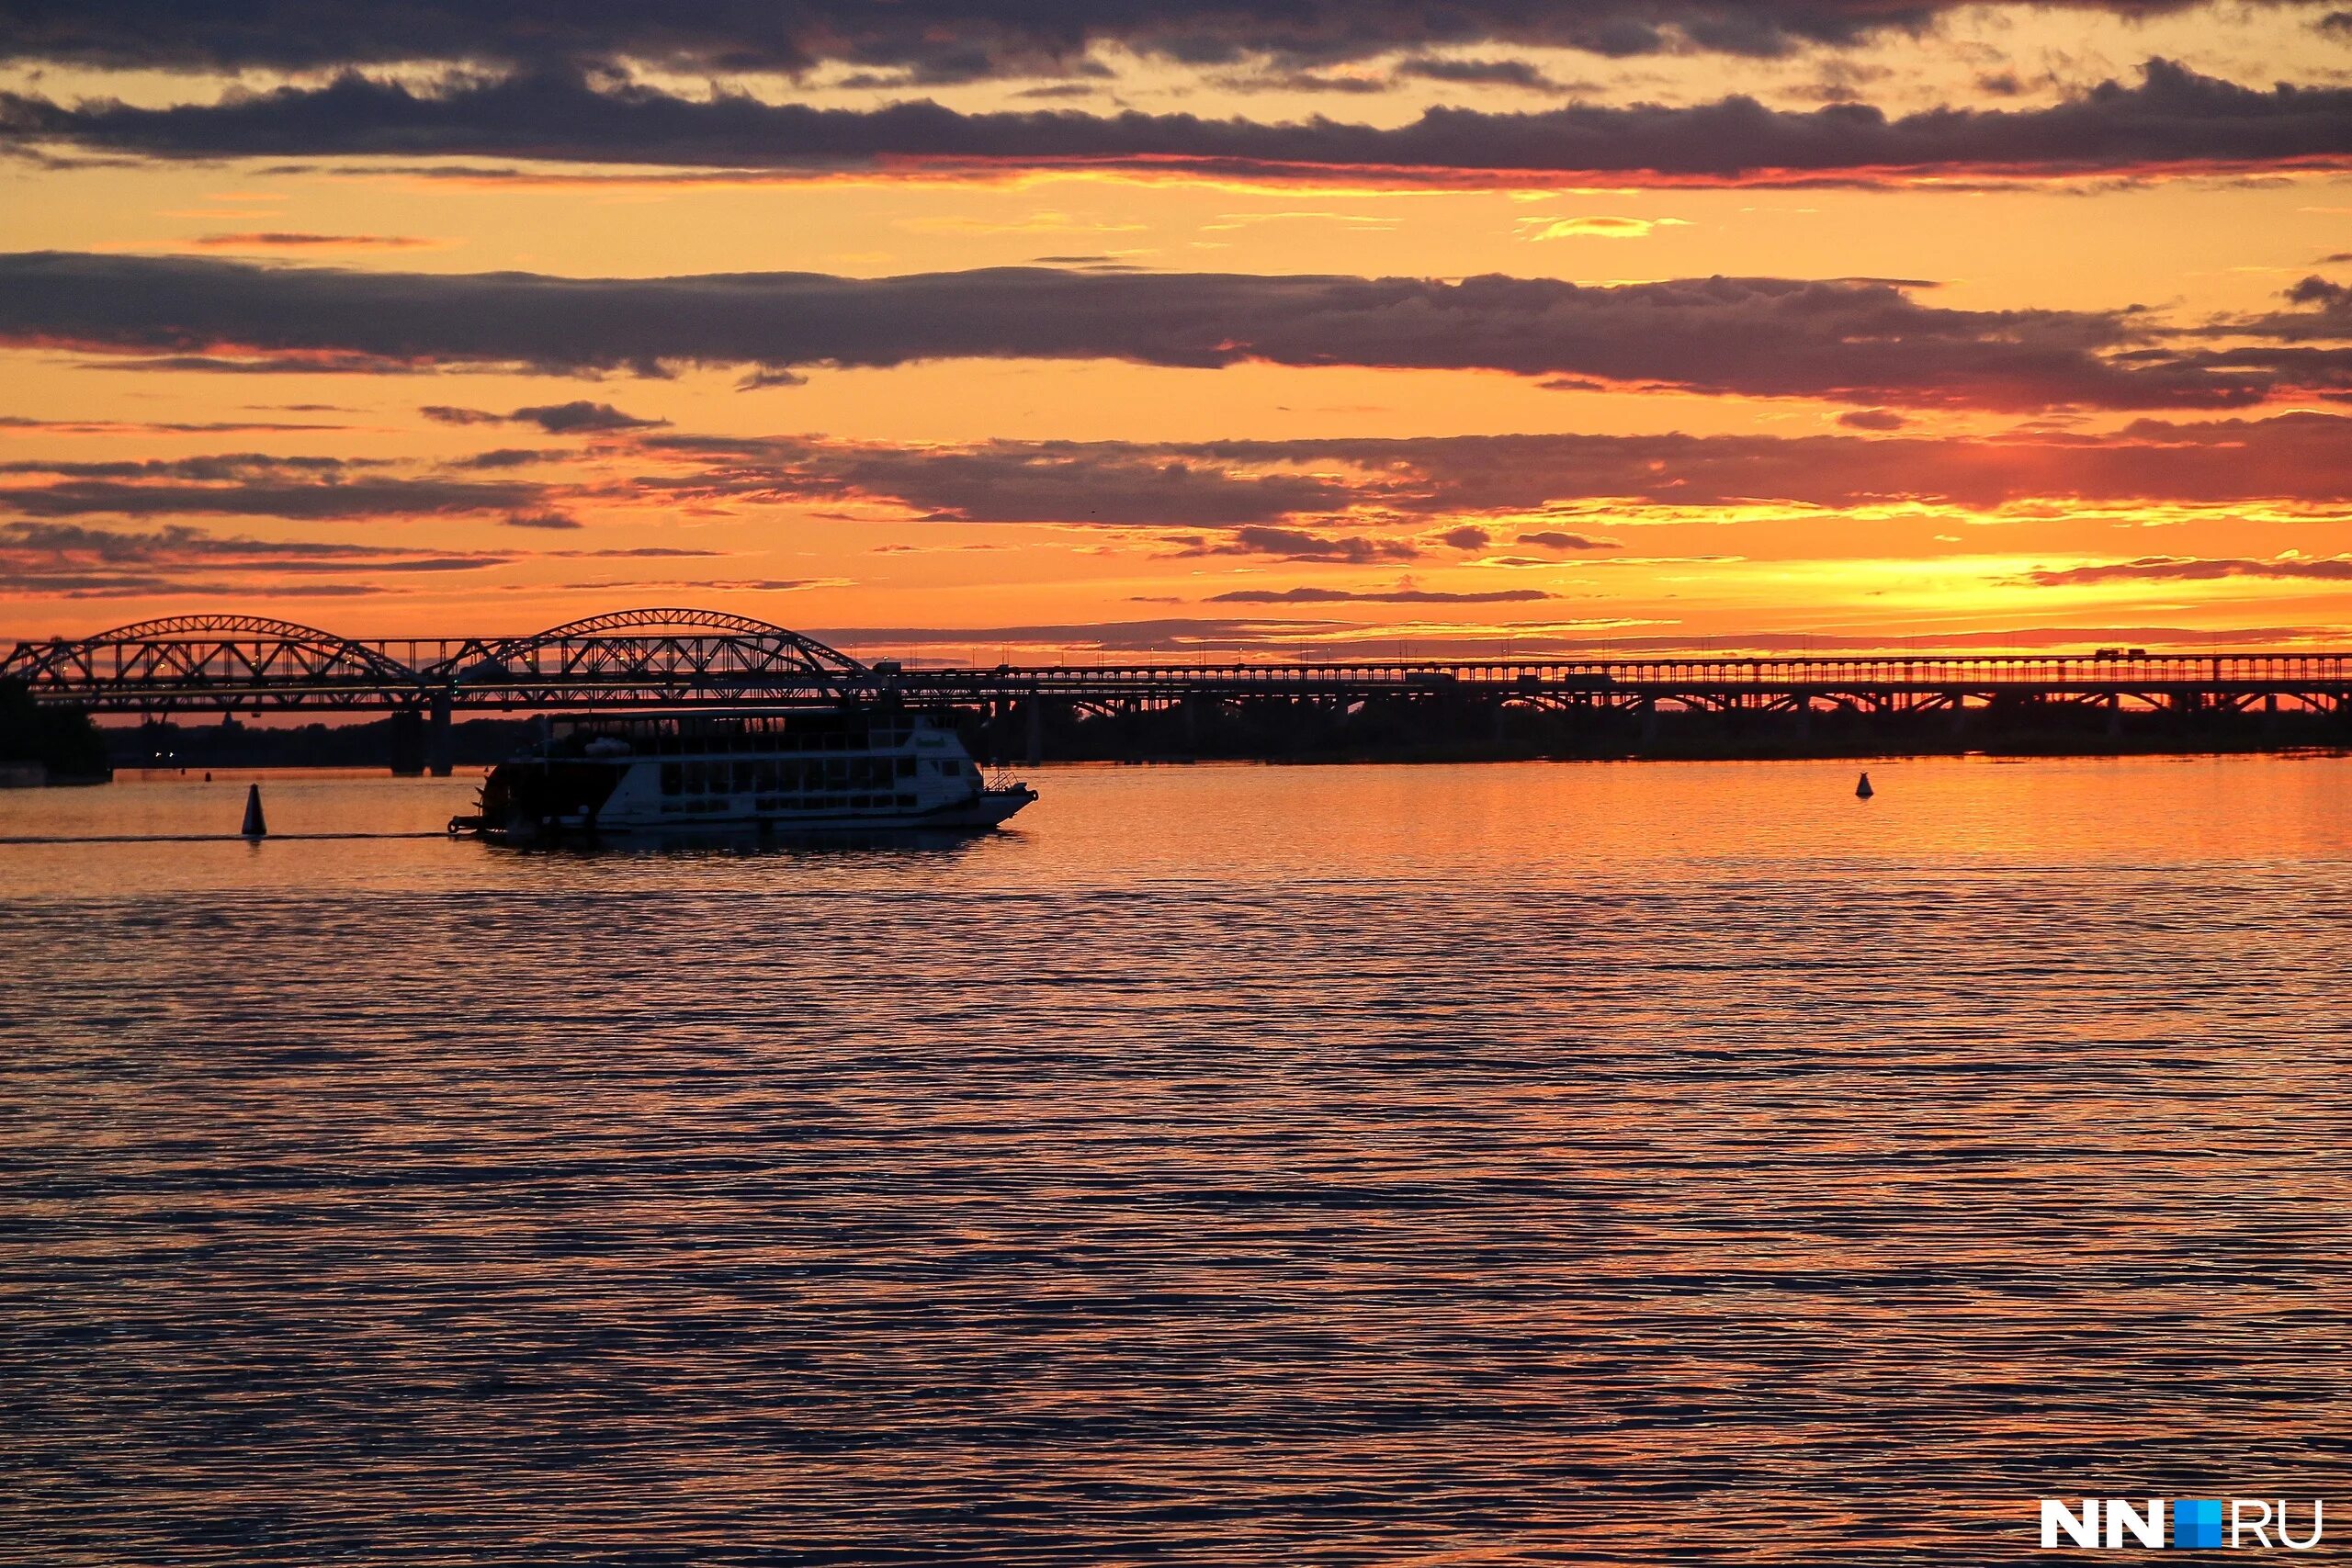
1597 1163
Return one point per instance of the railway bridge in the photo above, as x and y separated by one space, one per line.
680 659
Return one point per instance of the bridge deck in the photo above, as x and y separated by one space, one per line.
668 658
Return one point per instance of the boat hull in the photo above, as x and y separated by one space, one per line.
978 814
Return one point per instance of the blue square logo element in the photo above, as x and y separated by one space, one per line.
2195 1521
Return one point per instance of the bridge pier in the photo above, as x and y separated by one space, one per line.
408 742
440 746
1036 708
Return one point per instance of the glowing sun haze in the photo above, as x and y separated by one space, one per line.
960 328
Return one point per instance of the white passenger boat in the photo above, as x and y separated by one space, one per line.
820 770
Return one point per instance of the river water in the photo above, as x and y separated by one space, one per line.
1599 1163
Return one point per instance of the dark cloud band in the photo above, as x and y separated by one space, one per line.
246 485
1272 494
71 560
925 40
2172 119
1856 341
2195 569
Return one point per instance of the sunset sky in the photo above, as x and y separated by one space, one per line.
962 328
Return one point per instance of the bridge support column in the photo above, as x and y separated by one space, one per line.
408 742
2115 716
440 746
1036 728
1647 711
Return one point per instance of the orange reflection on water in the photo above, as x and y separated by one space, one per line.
1512 1164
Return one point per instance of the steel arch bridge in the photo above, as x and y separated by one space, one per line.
678 657
227 664
236 663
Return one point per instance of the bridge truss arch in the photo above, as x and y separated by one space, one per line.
661 655
212 660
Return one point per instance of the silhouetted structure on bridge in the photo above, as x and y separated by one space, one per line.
673 659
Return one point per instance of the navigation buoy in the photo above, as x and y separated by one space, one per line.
255 827
1862 791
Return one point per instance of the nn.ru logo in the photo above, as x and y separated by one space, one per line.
2196 1522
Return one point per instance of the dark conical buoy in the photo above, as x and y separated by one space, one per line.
1862 791
255 827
